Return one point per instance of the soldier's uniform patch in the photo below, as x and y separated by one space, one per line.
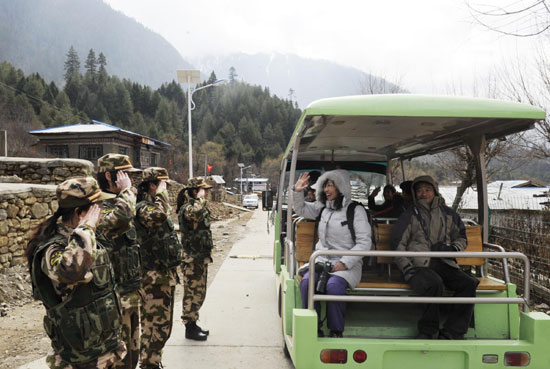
108 210
55 258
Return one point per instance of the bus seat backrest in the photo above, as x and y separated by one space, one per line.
473 235
475 244
304 241
383 236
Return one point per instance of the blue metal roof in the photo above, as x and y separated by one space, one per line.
94 126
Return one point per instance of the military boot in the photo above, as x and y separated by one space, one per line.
205 331
152 366
193 332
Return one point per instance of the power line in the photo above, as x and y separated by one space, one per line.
36 99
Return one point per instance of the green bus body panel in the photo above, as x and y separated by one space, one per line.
277 252
498 328
419 354
277 247
288 300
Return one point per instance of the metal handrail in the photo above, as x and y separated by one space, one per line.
504 261
429 300
384 220
290 257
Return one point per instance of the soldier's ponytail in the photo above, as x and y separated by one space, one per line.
180 200
46 230
143 189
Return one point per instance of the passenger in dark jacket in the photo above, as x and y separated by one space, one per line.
392 206
406 194
428 225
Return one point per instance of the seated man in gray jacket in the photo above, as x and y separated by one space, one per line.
429 225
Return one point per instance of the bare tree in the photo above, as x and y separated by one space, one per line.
529 82
499 155
371 84
521 18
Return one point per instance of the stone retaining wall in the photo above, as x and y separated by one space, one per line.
29 198
22 208
45 171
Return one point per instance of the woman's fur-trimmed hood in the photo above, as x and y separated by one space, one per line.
341 180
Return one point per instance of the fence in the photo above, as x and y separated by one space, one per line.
526 231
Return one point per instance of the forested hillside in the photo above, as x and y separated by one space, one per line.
232 123
36 34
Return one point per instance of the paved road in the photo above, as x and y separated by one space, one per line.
240 310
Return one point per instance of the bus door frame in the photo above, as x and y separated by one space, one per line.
477 145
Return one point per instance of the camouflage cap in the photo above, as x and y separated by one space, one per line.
154 173
198 182
77 192
115 162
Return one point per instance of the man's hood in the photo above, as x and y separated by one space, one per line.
341 180
427 179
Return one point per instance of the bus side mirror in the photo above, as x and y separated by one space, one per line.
267 200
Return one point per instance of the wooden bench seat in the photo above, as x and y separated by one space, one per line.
371 280
304 248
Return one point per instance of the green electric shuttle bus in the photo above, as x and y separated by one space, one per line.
364 134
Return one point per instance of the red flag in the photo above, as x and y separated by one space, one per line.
209 167
170 163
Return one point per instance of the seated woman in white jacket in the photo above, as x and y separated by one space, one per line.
333 192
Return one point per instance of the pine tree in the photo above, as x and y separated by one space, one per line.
103 75
212 78
91 62
102 61
72 64
232 74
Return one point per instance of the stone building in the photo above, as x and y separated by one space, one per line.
92 140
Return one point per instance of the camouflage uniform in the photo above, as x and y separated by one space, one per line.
160 278
117 232
72 276
194 220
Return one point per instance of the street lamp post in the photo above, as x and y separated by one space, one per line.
242 167
192 76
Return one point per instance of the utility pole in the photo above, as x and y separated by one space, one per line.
4 143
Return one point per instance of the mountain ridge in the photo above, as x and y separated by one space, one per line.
35 35
310 79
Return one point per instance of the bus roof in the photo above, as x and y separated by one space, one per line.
382 127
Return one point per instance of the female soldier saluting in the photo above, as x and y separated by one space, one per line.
160 256
72 276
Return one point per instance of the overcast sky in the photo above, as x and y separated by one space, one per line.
427 45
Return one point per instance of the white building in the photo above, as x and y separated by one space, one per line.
252 184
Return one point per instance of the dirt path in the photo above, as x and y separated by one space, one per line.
22 335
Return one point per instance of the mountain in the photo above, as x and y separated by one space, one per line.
35 35
309 79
